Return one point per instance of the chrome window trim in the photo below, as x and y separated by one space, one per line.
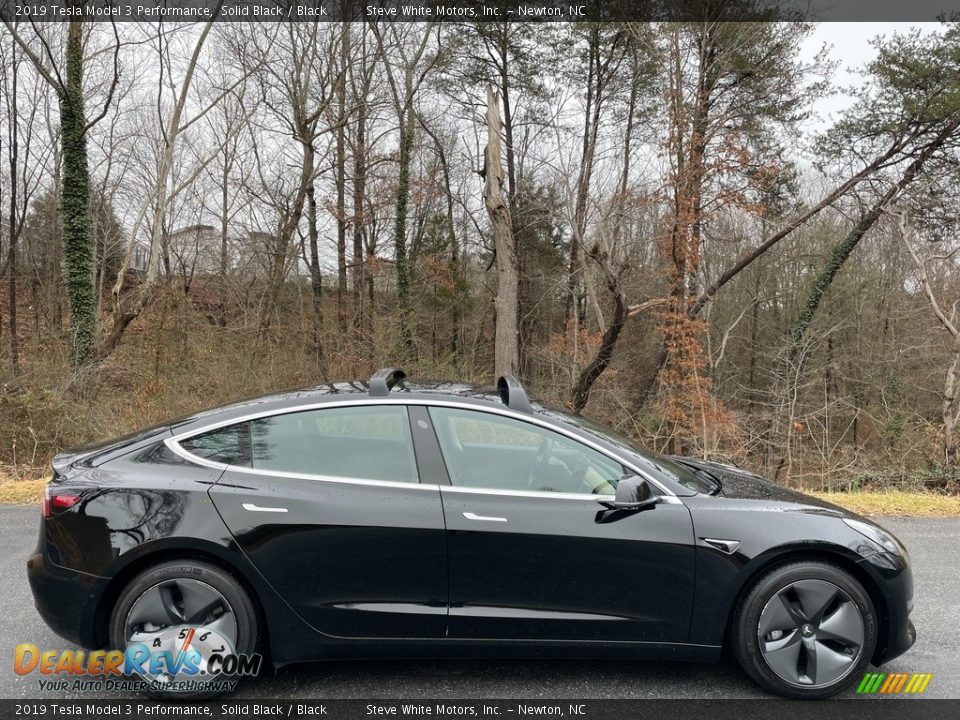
666 499
177 449
333 478
525 493
173 443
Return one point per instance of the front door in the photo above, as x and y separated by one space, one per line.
533 555
329 507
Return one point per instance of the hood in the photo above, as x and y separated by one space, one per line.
743 485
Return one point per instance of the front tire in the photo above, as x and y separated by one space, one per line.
806 630
184 601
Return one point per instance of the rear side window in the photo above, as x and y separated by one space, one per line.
229 445
366 443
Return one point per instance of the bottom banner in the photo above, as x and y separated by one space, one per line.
488 709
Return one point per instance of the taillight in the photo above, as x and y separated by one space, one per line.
56 500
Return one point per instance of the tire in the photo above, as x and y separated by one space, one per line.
797 634
189 584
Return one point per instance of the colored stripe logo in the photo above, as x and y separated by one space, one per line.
894 683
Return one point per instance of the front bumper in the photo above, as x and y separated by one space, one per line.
893 579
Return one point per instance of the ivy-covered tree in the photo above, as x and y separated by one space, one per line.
78 255
912 92
407 57
75 203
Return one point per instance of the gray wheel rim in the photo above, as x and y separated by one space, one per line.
811 633
158 615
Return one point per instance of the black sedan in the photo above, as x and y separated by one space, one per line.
398 519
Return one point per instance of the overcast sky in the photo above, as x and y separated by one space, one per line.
851 49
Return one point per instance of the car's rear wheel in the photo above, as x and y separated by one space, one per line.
193 611
806 629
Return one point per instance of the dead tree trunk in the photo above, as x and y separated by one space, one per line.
950 405
506 345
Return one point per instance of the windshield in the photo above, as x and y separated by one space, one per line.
656 465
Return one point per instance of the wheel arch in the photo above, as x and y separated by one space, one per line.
827 554
204 552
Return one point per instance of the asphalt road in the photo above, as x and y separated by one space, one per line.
934 546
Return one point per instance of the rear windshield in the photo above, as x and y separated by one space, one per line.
97 453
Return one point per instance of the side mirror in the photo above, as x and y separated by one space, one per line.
633 493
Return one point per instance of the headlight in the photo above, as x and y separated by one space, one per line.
879 536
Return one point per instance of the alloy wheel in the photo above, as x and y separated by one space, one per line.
811 633
178 611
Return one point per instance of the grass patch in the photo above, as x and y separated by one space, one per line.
21 492
895 502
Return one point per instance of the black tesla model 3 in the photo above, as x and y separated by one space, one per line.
398 519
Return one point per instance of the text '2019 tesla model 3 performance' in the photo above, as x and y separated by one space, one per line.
399 519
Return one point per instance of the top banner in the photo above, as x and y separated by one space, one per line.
478 10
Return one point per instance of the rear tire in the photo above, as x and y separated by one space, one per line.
805 630
161 601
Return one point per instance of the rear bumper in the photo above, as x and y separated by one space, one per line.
66 599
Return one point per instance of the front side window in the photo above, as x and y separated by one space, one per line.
364 442
656 465
483 450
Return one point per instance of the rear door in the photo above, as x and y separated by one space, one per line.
328 504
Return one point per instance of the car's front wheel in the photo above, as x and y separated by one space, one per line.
180 622
806 629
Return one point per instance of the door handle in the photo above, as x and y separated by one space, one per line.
256 508
483 518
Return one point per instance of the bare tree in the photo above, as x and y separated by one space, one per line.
16 215
126 309
301 74
228 123
610 238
